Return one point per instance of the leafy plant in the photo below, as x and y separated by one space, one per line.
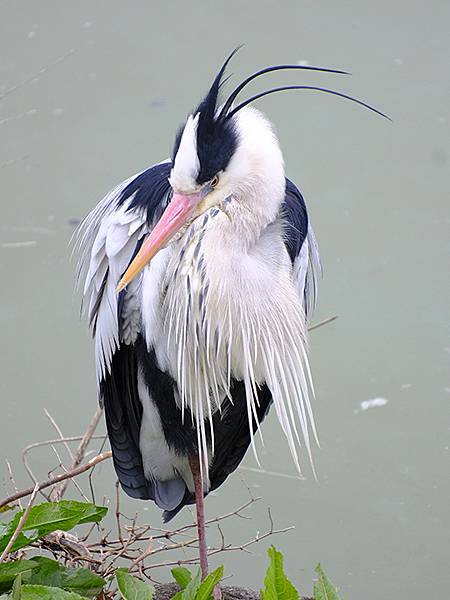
47 517
323 588
132 588
10 570
39 592
44 571
278 586
182 576
80 580
193 586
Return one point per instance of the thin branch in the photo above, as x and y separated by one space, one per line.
322 323
91 486
72 438
236 512
52 480
30 447
60 464
59 490
273 473
29 470
59 432
12 480
119 529
20 524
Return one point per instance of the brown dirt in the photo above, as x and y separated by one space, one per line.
166 591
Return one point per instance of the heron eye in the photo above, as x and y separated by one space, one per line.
214 181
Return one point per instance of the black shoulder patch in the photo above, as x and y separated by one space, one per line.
295 218
150 191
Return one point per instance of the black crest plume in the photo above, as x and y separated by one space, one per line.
216 139
216 133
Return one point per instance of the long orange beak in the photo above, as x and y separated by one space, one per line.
173 218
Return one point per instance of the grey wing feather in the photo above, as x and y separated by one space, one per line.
106 242
314 271
306 271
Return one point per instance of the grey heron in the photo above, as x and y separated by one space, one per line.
200 273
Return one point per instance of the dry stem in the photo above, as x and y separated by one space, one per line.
20 524
59 490
52 480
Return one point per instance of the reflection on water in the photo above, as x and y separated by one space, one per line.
90 94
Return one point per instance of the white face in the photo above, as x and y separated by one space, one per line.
187 164
254 176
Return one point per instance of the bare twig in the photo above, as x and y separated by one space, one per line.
236 512
12 480
30 447
150 551
72 438
59 490
119 529
52 480
322 323
27 467
59 432
258 538
91 486
273 473
20 524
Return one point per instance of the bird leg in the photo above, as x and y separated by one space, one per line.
199 503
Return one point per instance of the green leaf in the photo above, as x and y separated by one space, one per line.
47 517
132 588
48 572
323 588
208 584
44 592
79 580
190 592
182 576
16 593
83 581
278 586
9 571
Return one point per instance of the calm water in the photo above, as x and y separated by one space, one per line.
90 94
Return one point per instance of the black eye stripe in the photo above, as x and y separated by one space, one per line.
216 144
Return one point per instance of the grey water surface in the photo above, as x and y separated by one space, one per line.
92 92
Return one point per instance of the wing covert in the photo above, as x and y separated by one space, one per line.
106 242
302 246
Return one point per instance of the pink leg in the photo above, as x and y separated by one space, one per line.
198 486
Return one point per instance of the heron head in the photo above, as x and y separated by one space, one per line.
221 152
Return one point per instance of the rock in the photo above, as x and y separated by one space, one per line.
166 591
